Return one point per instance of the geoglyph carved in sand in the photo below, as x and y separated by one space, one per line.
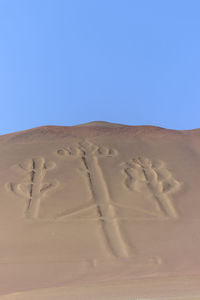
88 153
141 175
154 179
33 188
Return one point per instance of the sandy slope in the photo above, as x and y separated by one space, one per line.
100 211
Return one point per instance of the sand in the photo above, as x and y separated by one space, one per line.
100 211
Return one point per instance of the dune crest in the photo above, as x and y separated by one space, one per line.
100 211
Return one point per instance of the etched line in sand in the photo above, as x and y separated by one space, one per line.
76 212
32 188
88 153
111 226
152 179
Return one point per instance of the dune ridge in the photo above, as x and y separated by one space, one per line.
100 211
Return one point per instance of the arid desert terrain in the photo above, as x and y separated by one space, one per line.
100 211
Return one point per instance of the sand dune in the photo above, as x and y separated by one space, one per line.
100 211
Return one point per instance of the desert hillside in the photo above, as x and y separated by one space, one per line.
100 211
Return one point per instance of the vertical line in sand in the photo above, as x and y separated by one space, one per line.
166 203
109 221
162 200
158 203
37 175
32 176
84 161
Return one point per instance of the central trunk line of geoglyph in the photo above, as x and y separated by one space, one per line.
105 209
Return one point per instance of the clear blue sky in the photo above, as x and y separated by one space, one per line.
65 62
